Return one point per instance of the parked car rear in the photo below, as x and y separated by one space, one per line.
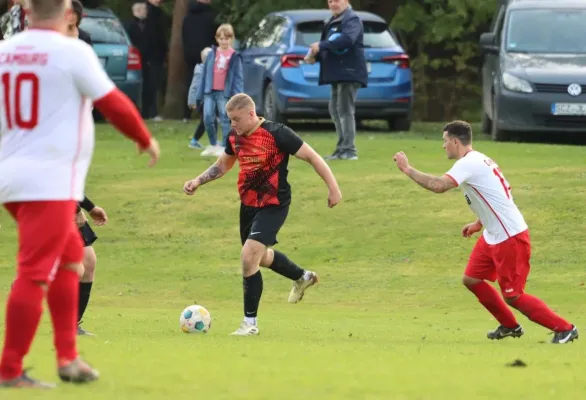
118 56
284 86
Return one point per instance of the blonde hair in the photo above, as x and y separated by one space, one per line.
225 29
204 53
240 101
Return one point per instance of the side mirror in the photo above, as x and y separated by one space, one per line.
487 43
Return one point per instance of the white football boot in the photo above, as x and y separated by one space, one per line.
308 279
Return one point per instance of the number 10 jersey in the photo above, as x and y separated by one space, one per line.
489 195
47 85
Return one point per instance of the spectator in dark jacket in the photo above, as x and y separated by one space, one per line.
136 27
340 52
154 57
198 32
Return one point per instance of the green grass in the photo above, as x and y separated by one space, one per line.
389 319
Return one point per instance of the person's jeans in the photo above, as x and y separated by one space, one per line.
342 108
212 102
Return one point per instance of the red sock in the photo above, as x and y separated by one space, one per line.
490 298
537 311
23 315
62 299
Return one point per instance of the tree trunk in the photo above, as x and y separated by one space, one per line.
176 94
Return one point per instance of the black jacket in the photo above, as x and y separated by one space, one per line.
136 31
156 32
342 59
198 31
83 35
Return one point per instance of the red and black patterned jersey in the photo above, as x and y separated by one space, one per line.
263 157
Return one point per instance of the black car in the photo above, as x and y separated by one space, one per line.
534 72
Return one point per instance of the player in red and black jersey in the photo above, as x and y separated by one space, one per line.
262 149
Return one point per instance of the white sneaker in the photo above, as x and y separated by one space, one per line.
208 151
310 278
246 329
218 150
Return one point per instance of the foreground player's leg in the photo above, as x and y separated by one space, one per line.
537 311
252 285
23 314
491 299
62 298
85 285
282 265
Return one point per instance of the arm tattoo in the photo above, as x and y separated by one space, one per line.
429 182
212 173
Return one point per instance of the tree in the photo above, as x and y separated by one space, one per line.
176 93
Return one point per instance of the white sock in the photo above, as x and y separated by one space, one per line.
307 275
250 320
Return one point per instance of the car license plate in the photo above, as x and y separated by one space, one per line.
568 108
103 61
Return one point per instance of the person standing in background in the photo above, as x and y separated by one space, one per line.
197 33
136 27
340 52
154 57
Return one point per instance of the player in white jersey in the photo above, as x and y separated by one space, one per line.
503 251
47 85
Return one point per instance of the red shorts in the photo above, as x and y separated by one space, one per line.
507 262
47 237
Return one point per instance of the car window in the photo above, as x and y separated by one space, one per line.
270 31
560 31
104 30
376 34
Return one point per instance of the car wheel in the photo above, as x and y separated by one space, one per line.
270 109
400 124
497 134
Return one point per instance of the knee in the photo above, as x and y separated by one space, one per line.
267 259
89 261
251 257
247 258
208 117
469 281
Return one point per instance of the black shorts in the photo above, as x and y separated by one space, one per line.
88 235
262 224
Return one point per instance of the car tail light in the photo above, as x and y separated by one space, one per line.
290 60
400 60
134 62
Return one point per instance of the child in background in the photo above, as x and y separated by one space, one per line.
221 79
192 103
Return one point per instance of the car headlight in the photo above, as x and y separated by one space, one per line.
514 84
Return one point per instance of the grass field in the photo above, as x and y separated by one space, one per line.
389 319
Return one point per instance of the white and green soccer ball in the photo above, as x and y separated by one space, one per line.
195 319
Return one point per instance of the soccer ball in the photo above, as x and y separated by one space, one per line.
195 319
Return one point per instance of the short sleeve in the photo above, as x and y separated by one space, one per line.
287 140
89 76
461 171
229 149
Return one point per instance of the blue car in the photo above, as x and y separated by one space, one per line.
118 56
283 86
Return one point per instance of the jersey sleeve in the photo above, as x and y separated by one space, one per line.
461 171
287 140
88 74
228 149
